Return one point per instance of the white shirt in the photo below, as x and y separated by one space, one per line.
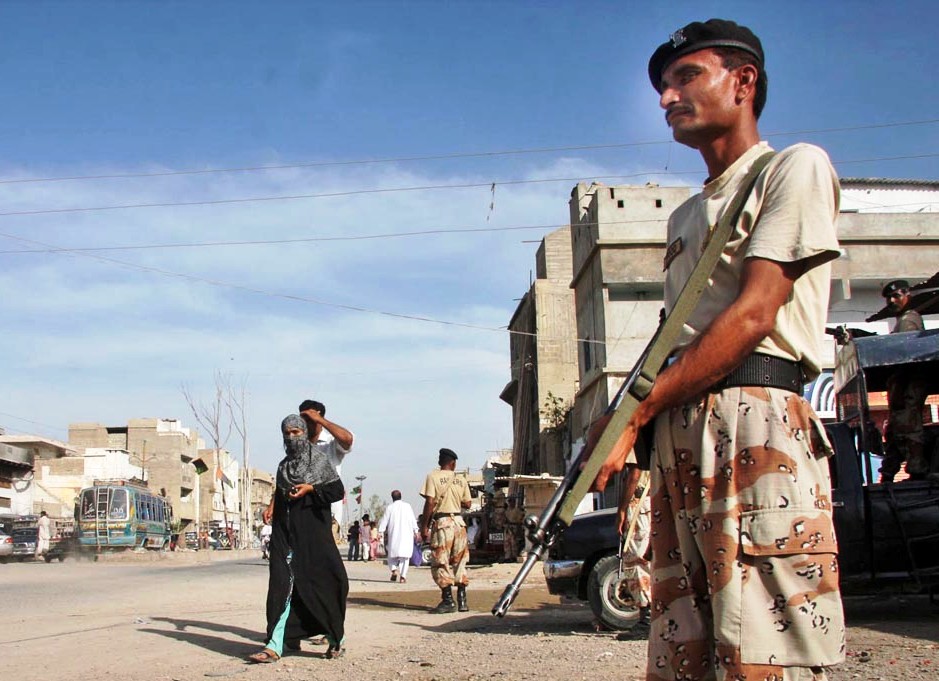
399 525
45 528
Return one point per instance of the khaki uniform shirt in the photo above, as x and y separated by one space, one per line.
789 217
909 320
456 491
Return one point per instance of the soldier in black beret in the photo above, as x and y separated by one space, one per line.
897 295
446 493
907 391
726 524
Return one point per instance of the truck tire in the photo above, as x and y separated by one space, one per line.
609 600
427 554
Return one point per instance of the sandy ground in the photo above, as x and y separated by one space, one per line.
185 618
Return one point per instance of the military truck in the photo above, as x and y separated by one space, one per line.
887 531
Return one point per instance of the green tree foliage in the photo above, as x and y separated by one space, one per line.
376 507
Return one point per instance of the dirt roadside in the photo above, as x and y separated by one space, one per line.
181 622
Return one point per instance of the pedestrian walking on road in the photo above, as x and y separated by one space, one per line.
399 527
352 536
44 534
446 494
365 537
308 586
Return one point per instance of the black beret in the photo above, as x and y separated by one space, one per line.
894 286
700 36
448 455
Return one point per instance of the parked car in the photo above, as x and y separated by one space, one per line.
6 547
583 563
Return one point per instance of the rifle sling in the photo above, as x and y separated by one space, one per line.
663 342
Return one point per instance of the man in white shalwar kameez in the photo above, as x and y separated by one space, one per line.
399 527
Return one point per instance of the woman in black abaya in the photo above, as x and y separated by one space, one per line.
306 594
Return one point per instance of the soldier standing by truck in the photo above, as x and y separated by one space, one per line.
906 395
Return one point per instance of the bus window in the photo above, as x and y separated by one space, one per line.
118 509
88 504
159 510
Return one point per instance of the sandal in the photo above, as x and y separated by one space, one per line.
266 656
394 576
334 652
404 580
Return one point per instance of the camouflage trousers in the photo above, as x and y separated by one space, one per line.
906 394
744 566
513 537
450 552
635 566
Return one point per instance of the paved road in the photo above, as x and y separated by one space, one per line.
165 620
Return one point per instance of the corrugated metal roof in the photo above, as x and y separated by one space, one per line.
891 182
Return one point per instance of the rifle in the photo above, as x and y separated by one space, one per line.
558 514
544 531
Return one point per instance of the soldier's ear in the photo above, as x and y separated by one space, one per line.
747 76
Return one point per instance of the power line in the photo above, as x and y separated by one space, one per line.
434 157
384 235
350 237
272 294
353 192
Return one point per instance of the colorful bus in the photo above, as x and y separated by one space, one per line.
122 514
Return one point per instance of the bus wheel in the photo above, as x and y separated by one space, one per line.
48 558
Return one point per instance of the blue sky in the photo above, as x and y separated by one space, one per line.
125 88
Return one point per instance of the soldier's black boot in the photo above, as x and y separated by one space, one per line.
461 598
446 603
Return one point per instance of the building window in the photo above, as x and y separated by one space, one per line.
588 354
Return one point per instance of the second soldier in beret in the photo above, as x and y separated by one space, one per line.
446 493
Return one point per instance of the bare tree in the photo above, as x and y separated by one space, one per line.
210 415
236 397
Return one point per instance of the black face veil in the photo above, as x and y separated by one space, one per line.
304 463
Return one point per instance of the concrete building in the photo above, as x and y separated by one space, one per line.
543 353
163 448
16 475
30 493
219 499
261 484
64 477
618 241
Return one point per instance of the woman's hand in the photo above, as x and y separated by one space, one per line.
268 513
300 490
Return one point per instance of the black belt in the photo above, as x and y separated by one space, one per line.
766 371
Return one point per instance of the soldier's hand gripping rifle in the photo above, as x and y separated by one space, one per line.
558 514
